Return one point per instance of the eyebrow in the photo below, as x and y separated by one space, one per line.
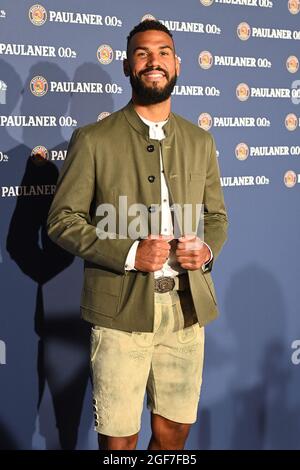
144 48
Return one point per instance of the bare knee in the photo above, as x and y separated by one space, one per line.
117 443
167 434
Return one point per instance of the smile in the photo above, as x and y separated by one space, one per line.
154 75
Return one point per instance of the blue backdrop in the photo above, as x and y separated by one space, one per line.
240 80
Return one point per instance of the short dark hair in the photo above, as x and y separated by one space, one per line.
148 25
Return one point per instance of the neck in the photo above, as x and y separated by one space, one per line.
153 112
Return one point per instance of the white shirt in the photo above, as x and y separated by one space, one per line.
171 267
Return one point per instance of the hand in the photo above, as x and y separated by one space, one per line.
152 253
191 252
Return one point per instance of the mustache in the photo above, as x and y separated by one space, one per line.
151 69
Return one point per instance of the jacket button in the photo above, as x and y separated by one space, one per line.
150 148
151 178
151 209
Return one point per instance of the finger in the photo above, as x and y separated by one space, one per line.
187 238
153 237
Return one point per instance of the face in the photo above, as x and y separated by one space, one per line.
152 66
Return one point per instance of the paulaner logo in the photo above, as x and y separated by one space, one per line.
103 115
242 151
242 92
205 121
37 15
294 6
291 122
205 60
2 352
292 64
243 31
38 86
39 155
207 3
290 179
105 54
148 16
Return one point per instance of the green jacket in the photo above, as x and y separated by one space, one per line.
113 157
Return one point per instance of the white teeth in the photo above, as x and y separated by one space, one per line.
154 75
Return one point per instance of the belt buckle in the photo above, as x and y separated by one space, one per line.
164 284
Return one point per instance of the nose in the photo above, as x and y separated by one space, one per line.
153 59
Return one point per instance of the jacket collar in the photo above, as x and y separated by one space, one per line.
142 128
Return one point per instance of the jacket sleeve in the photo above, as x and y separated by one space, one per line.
69 221
215 216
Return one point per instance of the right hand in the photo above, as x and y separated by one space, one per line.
152 253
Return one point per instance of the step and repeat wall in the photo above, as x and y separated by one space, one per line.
61 68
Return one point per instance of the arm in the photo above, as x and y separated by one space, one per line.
69 222
215 216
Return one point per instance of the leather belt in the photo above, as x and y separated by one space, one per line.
166 283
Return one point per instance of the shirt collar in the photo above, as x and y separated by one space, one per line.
136 122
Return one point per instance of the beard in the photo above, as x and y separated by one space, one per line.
152 94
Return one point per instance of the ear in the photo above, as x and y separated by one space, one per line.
126 68
177 65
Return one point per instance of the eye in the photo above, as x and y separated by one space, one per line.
164 53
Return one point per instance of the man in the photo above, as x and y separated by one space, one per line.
147 297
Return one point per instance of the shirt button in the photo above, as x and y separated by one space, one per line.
151 178
150 148
165 200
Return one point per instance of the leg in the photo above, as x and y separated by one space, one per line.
117 443
118 392
166 434
174 382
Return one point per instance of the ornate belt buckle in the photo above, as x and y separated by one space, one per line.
164 284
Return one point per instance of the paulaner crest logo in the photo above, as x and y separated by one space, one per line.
103 115
105 54
242 151
37 15
38 86
205 121
290 179
242 92
148 17
244 31
205 60
294 6
207 3
291 122
39 155
292 64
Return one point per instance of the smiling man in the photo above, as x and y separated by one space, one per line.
146 296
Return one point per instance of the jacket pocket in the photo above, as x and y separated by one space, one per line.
101 291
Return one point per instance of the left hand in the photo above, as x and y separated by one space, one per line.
191 252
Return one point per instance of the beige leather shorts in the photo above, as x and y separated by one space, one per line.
166 363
